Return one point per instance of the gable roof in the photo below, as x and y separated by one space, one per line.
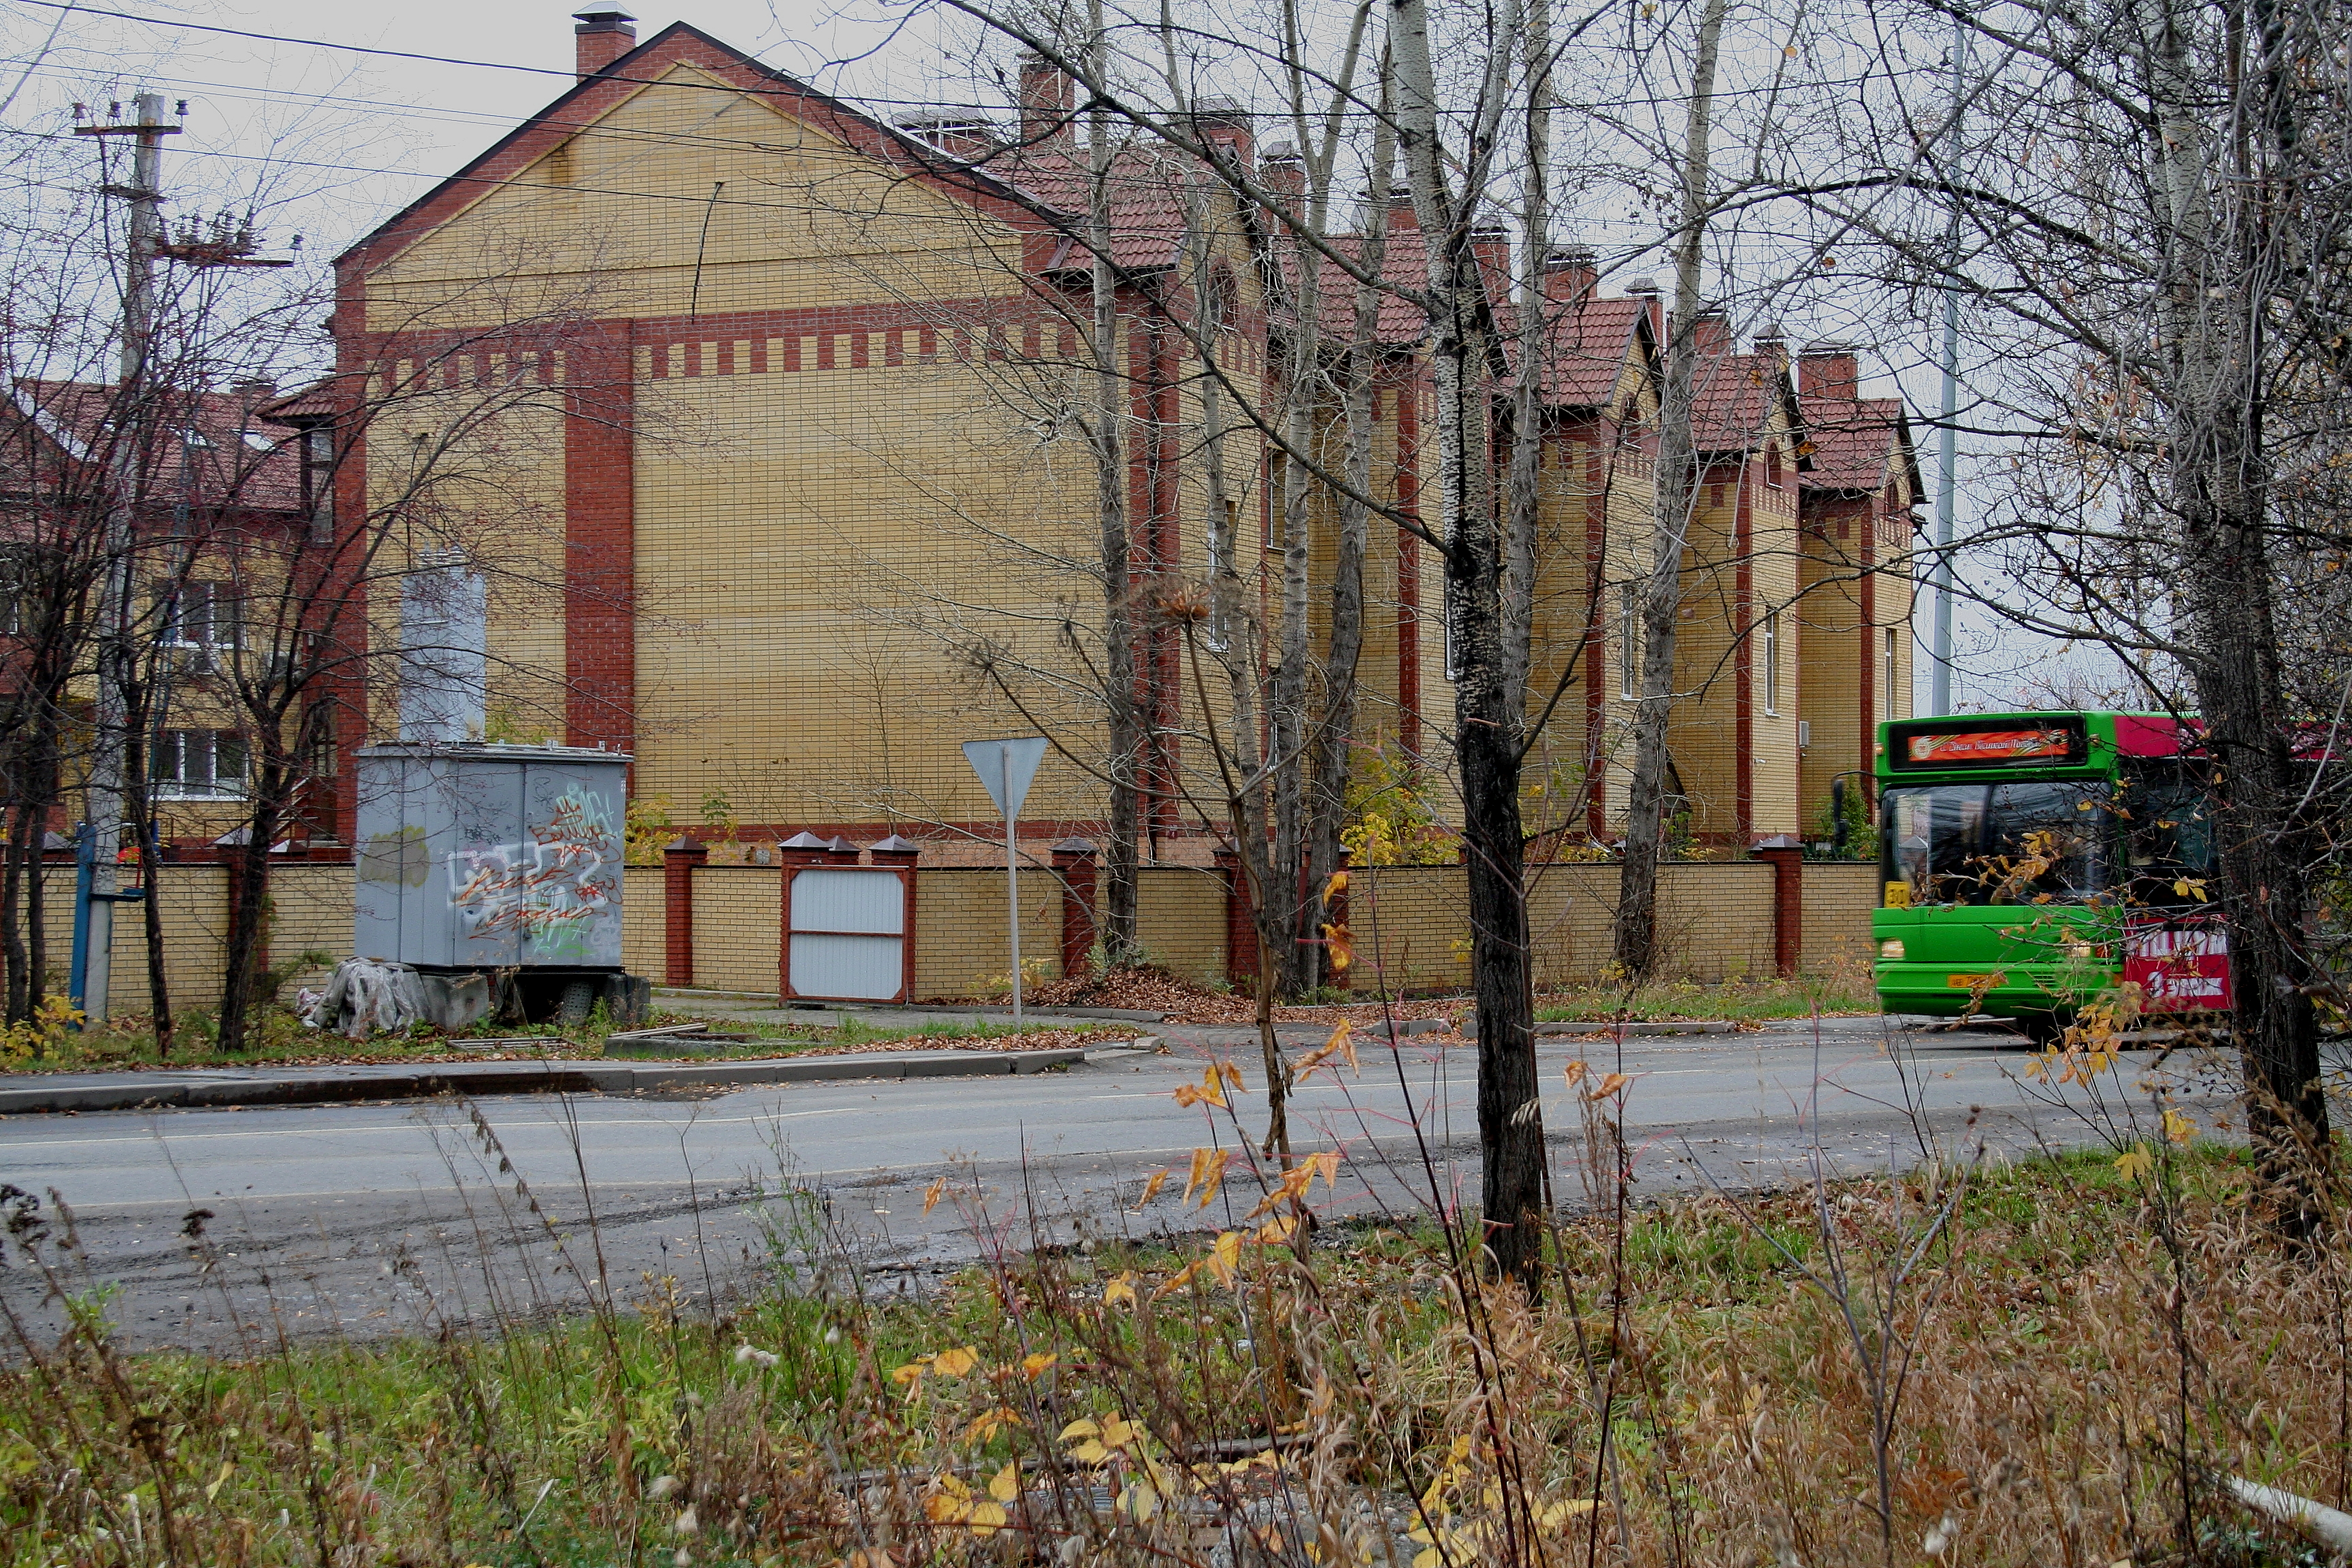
580 106
1859 444
1588 344
1736 397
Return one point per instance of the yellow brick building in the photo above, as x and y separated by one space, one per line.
811 498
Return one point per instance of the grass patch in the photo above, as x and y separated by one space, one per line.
1749 1000
1696 1386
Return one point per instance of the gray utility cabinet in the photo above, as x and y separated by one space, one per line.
476 856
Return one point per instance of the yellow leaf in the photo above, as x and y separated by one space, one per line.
1553 1515
1232 1074
1139 1502
1208 1176
956 1363
1120 1288
984 1517
1036 1365
1429 1557
1118 1432
1607 1086
1212 1089
1335 887
1341 947
2135 1162
987 1424
1178 1281
1275 1231
912 1370
1327 1165
1080 1428
1224 1258
1090 1452
1573 1071
1342 1040
2177 1127
1151 1188
1006 1484
933 1193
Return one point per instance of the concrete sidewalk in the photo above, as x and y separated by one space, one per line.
24 1094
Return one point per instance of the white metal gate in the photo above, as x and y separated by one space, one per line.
848 934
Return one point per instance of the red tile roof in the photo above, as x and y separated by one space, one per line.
1855 442
1732 403
1589 342
233 456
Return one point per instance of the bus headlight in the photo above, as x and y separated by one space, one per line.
1892 949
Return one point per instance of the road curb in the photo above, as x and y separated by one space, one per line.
19 1097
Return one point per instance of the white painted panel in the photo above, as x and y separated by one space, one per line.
854 968
848 899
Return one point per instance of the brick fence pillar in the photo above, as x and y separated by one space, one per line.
1073 863
1788 858
679 861
1241 929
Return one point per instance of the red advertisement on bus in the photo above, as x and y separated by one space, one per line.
2178 964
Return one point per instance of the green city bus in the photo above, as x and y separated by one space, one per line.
2031 863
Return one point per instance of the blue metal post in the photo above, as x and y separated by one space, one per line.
85 881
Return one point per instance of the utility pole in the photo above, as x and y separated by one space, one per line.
95 887
1947 438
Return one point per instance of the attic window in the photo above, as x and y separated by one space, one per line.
1772 465
259 442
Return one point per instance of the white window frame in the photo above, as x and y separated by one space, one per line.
210 645
1893 671
181 746
1772 663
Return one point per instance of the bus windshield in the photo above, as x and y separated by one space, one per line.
2145 841
2032 843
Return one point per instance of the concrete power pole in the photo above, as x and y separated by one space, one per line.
103 829
1947 438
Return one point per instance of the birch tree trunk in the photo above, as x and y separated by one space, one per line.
1636 934
1121 854
1486 746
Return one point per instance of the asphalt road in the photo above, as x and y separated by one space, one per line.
364 1219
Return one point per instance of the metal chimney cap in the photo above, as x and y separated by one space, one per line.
805 839
895 845
602 16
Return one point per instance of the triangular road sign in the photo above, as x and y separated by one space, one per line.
1006 767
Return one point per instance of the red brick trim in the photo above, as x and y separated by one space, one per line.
1787 906
1408 500
678 910
600 660
1743 658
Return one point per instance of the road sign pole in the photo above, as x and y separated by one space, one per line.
1011 876
1005 769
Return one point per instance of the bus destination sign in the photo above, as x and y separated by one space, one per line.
2001 745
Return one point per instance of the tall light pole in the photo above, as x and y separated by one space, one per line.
1947 438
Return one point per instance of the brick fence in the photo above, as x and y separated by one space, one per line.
691 923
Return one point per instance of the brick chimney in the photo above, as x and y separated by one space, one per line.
1283 171
1711 331
1827 369
606 33
1569 274
1225 124
1046 96
1402 213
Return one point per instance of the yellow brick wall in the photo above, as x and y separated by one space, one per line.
1838 901
1715 921
738 928
645 922
959 929
1180 921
